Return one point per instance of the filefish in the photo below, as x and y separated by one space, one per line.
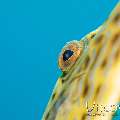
89 87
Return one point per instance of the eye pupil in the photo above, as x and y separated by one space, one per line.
67 54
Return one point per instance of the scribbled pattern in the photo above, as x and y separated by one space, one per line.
93 80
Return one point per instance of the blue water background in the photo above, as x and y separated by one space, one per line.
32 33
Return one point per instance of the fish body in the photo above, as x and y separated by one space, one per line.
89 87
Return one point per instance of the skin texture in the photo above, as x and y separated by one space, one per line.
89 86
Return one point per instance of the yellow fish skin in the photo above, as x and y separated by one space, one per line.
89 86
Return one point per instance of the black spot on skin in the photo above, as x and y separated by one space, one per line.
46 117
104 62
92 36
87 60
116 18
99 39
62 81
51 115
53 96
114 40
85 91
98 50
83 116
62 93
98 89
62 77
116 37
117 54
98 44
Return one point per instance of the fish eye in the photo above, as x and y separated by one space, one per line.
69 54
